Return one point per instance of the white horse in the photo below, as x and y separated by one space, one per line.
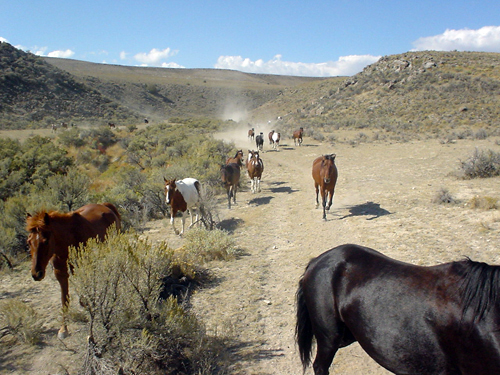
183 195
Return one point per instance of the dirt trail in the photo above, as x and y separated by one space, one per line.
383 200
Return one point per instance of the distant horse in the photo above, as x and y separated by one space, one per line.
438 320
255 167
270 135
324 173
53 128
238 158
52 233
297 136
276 141
146 121
64 125
183 195
111 125
259 142
230 176
251 134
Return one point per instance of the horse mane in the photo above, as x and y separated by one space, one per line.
37 221
479 288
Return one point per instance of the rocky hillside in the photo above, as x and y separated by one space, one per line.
416 91
34 92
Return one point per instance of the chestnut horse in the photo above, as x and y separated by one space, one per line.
324 173
238 158
437 320
255 167
52 233
297 136
251 134
183 195
230 176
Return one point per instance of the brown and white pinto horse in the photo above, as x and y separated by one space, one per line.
297 136
52 233
183 196
276 140
230 176
238 158
324 173
270 135
251 134
255 167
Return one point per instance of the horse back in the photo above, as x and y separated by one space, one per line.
94 219
190 190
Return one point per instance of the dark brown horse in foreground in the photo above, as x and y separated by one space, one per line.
439 320
230 176
324 173
52 233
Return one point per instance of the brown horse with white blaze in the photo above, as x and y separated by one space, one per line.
183 196
52 233
237 158
255 167
324 173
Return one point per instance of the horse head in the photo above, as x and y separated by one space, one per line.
328 167
40 244
170 187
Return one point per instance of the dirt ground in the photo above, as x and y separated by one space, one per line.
384 200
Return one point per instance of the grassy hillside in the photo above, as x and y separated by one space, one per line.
414 92
160 93
35 93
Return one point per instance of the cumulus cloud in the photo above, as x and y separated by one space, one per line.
3 40
62 54
344 66
155 57
485 39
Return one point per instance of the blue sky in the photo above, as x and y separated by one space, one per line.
308 38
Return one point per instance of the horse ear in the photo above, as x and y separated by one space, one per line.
333 156
46 219
28 215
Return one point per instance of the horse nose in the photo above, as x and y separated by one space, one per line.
38 276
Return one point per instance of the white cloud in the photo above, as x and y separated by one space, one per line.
344 66
485 39
172 65
123 55
154 57
3 40
62 54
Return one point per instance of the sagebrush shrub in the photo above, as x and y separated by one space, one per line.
20 320
482 163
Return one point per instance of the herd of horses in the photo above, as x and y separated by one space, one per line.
443 319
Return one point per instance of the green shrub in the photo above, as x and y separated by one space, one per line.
205 245
20 320
119 283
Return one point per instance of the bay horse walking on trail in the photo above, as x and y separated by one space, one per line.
183 196
50 234
255 167
276 141
437 320
259 141
230 176
251 134
238 158
324 173
111 125
297 136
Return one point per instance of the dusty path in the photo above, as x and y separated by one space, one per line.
383 200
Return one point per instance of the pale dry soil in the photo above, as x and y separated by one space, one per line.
383 200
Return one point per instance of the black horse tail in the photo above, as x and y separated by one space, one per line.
303 329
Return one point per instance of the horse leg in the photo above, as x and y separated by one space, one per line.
172 215
183 221
229 190
258 184
331 201
317 193
62 277
324 198
235 187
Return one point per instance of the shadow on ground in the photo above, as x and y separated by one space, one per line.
367 209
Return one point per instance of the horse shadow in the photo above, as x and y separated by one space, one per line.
251 351
230 225
281 189
261 200
367 209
